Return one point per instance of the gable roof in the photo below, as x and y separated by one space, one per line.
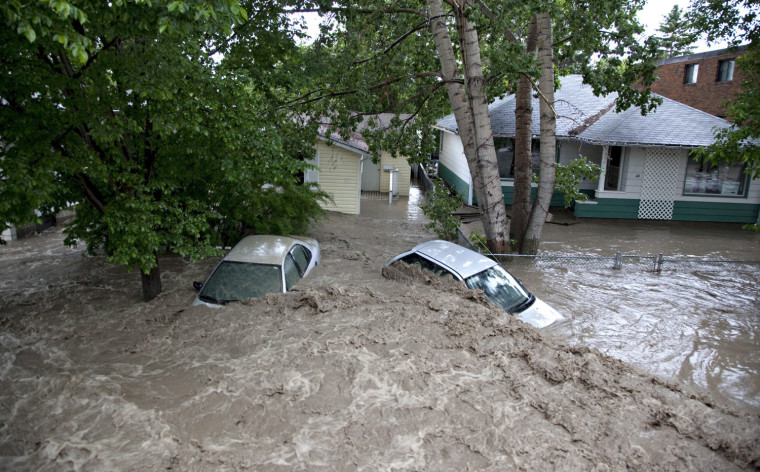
671 124
583 116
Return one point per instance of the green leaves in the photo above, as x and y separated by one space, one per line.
439 205
736 21
120 107
568 178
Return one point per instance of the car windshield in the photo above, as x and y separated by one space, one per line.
240 280
501 288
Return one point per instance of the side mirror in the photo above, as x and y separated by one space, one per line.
198 285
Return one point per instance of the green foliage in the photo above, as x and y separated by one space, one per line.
678 34
122 108
439 205
479 242
568 178
736 21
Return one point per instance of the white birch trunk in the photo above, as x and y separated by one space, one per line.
471 112
548 137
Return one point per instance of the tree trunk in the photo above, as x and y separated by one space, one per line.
548 136
471 112
151 283
523 158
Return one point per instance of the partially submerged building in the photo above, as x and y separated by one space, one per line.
649 168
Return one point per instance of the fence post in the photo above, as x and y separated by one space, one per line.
658 263
618 261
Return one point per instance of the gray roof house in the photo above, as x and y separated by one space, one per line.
649 170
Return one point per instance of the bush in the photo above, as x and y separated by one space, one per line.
439 205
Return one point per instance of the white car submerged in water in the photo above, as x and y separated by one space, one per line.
479 272
258 265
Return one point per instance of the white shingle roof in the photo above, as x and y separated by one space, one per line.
671 124
582 116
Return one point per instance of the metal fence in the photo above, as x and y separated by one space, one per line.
427 183
653 263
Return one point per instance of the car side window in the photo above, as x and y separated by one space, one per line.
302 257
292 274
425 264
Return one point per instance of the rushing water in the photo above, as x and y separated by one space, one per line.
696 323
699 324
356 371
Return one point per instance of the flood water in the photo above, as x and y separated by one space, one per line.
697 324
362 370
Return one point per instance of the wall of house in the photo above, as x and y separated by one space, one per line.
404 173
625 204
10 234
452 165
340 176
707 94
569 150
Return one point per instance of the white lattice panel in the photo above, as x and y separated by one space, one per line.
660 184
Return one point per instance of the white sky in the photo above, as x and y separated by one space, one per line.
655 11
651 16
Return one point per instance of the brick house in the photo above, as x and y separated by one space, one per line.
704 81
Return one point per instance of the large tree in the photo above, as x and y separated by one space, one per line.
121 109
677 35
398 57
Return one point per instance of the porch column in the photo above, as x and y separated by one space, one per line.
603 165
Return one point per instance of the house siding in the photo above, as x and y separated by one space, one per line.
461 187
683 210
340 176
715 211
452 165
608 208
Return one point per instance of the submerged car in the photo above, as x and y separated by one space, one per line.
256 266
479 272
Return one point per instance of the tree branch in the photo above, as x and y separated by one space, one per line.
489 13
395 43
362 11
304 100
93 57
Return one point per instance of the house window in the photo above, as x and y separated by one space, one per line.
704 178
690 74
613 175
726 70
505 157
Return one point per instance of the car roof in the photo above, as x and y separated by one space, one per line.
464 261
262 249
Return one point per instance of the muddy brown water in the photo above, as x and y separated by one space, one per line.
356 371
698 324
